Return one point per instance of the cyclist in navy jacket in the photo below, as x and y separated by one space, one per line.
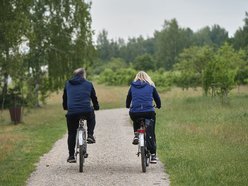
139 99
79 94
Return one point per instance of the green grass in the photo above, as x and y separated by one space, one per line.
203 142
200 141
23 144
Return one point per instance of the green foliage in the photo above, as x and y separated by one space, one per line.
162 79
219 75
122 76
70 40
13 99
37 35
242 75
240 40
218 35
13 26
144 62
170 42
217 72
191 64
103 46
214 36
114 64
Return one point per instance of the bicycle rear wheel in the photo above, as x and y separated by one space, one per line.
143 159
147 158
81 158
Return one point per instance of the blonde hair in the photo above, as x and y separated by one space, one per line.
142 76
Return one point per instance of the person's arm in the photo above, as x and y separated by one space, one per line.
156 98
129 98
94 99
64 99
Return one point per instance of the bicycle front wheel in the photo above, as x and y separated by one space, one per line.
143 159
81 158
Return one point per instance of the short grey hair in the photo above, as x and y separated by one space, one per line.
80 71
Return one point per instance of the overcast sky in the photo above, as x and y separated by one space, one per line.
132 18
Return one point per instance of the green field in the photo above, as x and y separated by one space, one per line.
200 140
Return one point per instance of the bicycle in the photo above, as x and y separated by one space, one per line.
142 146
81 143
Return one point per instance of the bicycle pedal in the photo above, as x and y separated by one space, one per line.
90 142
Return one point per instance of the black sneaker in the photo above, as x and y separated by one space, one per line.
153 159
91 139
136 139
71 159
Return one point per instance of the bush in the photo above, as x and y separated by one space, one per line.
162 78
123 76
12 99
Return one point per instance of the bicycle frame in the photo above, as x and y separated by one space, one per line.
142 149
81 144
141 132
81 131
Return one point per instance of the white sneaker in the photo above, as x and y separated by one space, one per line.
153 159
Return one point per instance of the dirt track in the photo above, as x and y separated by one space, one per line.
112 160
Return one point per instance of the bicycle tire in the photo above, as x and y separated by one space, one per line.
81 158
143 159
147 158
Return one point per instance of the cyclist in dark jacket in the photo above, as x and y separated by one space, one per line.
140 98
79 94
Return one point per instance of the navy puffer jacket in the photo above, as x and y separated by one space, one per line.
140 97
79 94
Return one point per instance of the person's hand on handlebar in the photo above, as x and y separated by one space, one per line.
96 107
158 107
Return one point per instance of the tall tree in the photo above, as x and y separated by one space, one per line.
202 37
170 42
191 64
103 46
58 36
214 36
240 40
144 62
218 35
219 75
70 41
13 24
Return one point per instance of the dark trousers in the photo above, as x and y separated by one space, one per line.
72 125
147 115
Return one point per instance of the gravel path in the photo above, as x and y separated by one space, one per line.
112 160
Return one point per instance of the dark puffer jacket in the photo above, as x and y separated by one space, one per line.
140 97
78 94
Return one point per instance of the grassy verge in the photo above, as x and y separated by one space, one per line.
111 96
21 145
203 142
200 141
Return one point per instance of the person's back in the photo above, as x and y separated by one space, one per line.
79 95
142 97
139 99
